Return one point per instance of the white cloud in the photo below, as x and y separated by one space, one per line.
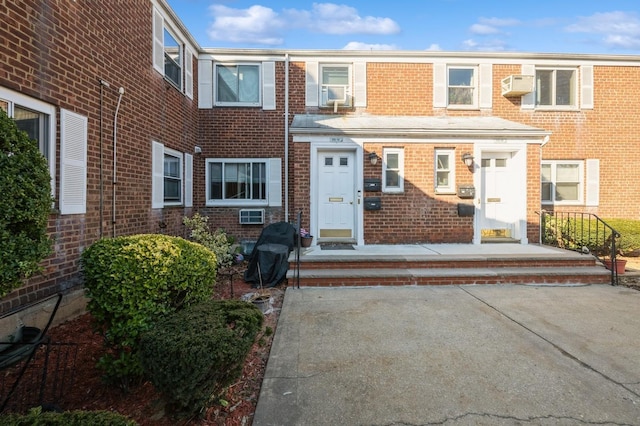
434 48
618 29
487 26
494 45
262 25
257 24
356 45
482 29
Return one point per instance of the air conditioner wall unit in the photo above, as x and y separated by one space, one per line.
517 85
251 216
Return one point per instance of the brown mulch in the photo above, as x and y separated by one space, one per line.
142 403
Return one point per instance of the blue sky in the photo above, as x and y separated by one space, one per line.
559 26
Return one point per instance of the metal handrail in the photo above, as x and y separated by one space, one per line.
582 232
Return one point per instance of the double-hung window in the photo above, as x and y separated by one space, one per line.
335 85
393 169
172 61
172 182
462 85
556 88
172 177
562 182
237 85
445 171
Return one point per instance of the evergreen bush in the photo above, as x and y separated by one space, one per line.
192 355
131 281
25 205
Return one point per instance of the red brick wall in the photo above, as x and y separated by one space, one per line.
57 52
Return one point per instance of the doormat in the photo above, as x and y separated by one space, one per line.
336 247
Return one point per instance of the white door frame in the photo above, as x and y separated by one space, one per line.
345 146
518 150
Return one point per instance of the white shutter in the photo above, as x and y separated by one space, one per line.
312 84
158 41
439 85
73 163
205 84
586 87
360 84
486 85
275 182
529 100
593 182
157 167
188 73
188 180
268 85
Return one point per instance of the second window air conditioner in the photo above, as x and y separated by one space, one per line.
517 85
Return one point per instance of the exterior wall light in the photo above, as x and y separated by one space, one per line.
373 158
467 159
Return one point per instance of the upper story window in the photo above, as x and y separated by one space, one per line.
393 170
556 88
172 56
335 85
237 84
445 171
172 62
562 182
462 86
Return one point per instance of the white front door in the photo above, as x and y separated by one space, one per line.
337 204
499 211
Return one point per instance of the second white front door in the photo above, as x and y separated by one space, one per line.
498 210
337 202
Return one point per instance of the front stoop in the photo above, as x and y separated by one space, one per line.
390 270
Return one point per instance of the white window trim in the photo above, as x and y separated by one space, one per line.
157 177
574 107
581 184
348 88
475 85
180 156
273 196
73 163
451 188
237 104
393 189
160 23
43 108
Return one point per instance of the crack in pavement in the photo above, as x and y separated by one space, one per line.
557 347
488 416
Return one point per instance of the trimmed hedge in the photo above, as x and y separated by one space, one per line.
70 418
133 280
192 355
25 185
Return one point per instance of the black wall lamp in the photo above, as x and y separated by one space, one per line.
467 159
373 158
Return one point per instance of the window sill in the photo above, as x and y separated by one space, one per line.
236 105
238 204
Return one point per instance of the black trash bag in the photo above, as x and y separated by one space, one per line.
269 260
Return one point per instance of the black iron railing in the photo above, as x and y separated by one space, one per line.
582 232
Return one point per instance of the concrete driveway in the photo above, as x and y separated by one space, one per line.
455 355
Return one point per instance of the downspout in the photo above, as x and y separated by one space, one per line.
103 84
286 137
115 158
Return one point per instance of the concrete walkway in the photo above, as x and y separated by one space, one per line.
455 355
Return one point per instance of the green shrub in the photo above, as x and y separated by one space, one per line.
629 242
70 418
218 242
192 355
132 281
25 185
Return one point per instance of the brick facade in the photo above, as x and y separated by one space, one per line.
59 53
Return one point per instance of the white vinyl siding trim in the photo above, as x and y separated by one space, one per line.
73 163
275 182
360 84
158 41
312 84
205 84
593 182
268 86
157 183
485 85
440 94
586 87
188 180
529 100
188 73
